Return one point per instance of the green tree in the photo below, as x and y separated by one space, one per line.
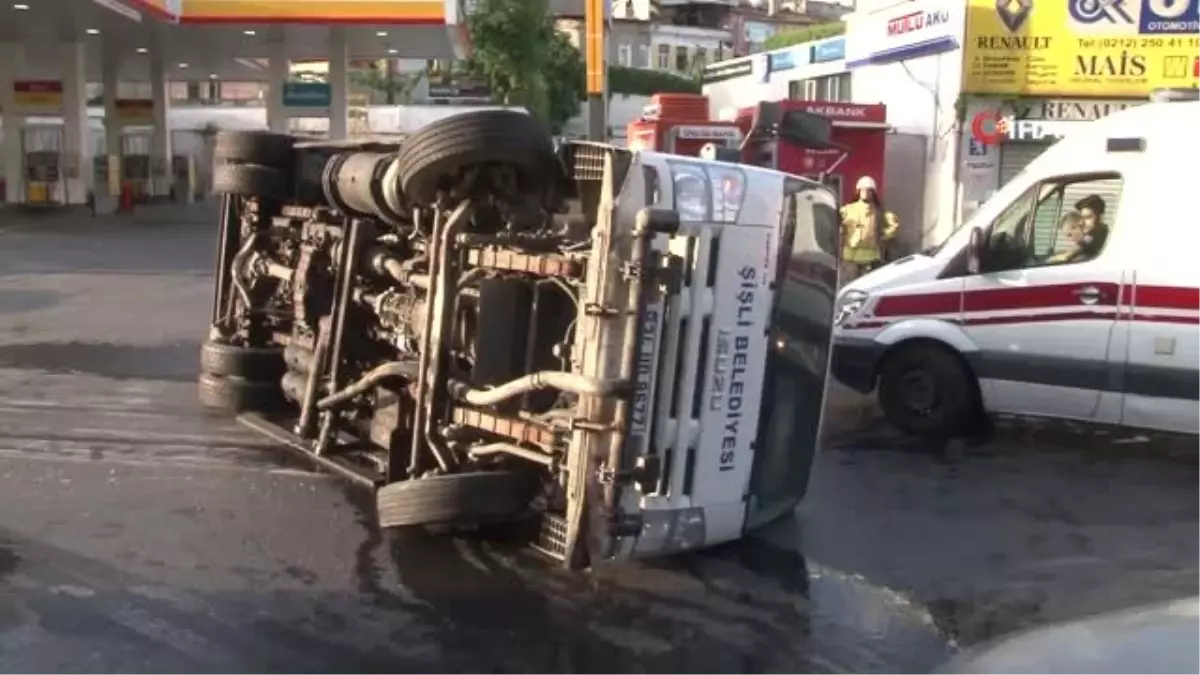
525 61
811 33
566 76
642 82
395 87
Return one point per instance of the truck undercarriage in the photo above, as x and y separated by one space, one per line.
461 321
408 317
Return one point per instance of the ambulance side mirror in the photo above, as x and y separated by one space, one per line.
975 246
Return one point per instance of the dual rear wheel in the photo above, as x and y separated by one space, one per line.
240 379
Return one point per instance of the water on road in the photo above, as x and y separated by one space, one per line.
141 533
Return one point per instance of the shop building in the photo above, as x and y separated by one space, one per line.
809 72
990 158
1047 66
908 57
947 69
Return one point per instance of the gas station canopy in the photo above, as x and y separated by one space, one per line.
226 39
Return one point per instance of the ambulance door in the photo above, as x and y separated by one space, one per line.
1041 313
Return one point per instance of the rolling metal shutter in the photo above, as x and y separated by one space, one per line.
1014 157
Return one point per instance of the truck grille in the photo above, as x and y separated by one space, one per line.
683 360
552 536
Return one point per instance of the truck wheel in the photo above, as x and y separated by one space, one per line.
460 498
236 394
250 180
257 364
928 390
255 147
436 157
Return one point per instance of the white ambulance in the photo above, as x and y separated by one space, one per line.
1023 312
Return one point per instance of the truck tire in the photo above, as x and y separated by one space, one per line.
436 156
257 364
459 498
255 147
928 390
236 394
250 180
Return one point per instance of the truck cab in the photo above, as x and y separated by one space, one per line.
734 352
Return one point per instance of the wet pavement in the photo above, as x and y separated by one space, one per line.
140 533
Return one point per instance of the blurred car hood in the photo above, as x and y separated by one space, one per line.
1160 638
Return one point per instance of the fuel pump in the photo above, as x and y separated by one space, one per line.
42 165
183 177
135 163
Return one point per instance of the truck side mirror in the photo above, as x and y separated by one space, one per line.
975 246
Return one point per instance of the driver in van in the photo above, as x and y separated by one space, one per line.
866 227
1095 230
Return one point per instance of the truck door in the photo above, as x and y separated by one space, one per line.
835 181
797 369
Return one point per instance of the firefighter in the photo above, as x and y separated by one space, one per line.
866 228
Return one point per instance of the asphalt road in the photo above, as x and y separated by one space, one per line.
139 533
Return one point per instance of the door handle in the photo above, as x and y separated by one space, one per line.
1088 295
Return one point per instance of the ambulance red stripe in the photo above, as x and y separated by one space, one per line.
1036 297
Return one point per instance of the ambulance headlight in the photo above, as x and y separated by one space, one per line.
707 193
848 305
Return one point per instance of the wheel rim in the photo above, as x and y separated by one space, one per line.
919 393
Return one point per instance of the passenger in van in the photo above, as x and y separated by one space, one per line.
866 227
1095 230
1071 229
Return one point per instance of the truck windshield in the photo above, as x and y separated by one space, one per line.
801 332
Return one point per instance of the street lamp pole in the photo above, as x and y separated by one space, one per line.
594 21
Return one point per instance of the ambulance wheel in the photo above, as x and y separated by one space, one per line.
455 499
255 147
928 390
250 180
438 156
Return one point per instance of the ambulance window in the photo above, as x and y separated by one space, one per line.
1072 224
1059 221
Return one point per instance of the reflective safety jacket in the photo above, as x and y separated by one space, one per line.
864 231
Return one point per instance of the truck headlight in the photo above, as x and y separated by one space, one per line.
848 305
707 193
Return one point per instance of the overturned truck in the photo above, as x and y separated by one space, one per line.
625 351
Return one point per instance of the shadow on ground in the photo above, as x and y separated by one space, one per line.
160 362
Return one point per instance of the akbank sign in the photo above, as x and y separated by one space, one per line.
905 31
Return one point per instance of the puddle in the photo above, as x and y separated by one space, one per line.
744 607
176 362
8 561
16 302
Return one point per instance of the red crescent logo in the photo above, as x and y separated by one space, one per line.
987 127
